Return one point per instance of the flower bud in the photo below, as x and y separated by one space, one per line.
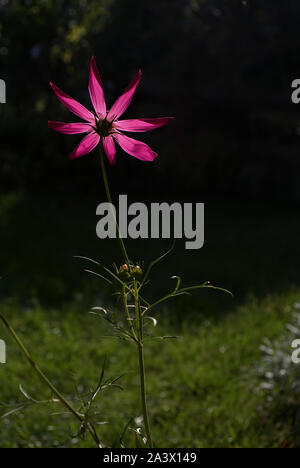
124 272
137 272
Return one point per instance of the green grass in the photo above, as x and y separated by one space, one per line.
202 388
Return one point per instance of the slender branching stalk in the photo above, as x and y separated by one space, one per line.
108 194
45 380
138 334
125 304
140 324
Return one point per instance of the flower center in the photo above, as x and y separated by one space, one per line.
103 127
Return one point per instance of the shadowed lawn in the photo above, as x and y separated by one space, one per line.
203 391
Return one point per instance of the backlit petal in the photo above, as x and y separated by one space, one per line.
96 90
109 149
73 106
86 145
70 128
135 148
141 125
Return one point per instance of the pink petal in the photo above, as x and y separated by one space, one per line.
73 105
86 145
125 99
70 128
109 149
141 125
136 148
96 90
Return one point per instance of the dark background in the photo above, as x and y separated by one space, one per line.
223 68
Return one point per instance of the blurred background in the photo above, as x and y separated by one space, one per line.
224 69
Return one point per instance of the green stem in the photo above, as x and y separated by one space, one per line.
106 185
124 295
139 319
45 379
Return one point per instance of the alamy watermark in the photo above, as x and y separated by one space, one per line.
180 221
2 92
296 353
2 352
2 101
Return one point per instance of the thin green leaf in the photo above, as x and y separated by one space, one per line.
88 259
125 429
154 321
152 264
15 410
28 397
99 276
207 286
102 266
178 282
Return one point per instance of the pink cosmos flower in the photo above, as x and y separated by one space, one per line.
104 125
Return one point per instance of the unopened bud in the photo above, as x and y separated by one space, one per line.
124 272
137 272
